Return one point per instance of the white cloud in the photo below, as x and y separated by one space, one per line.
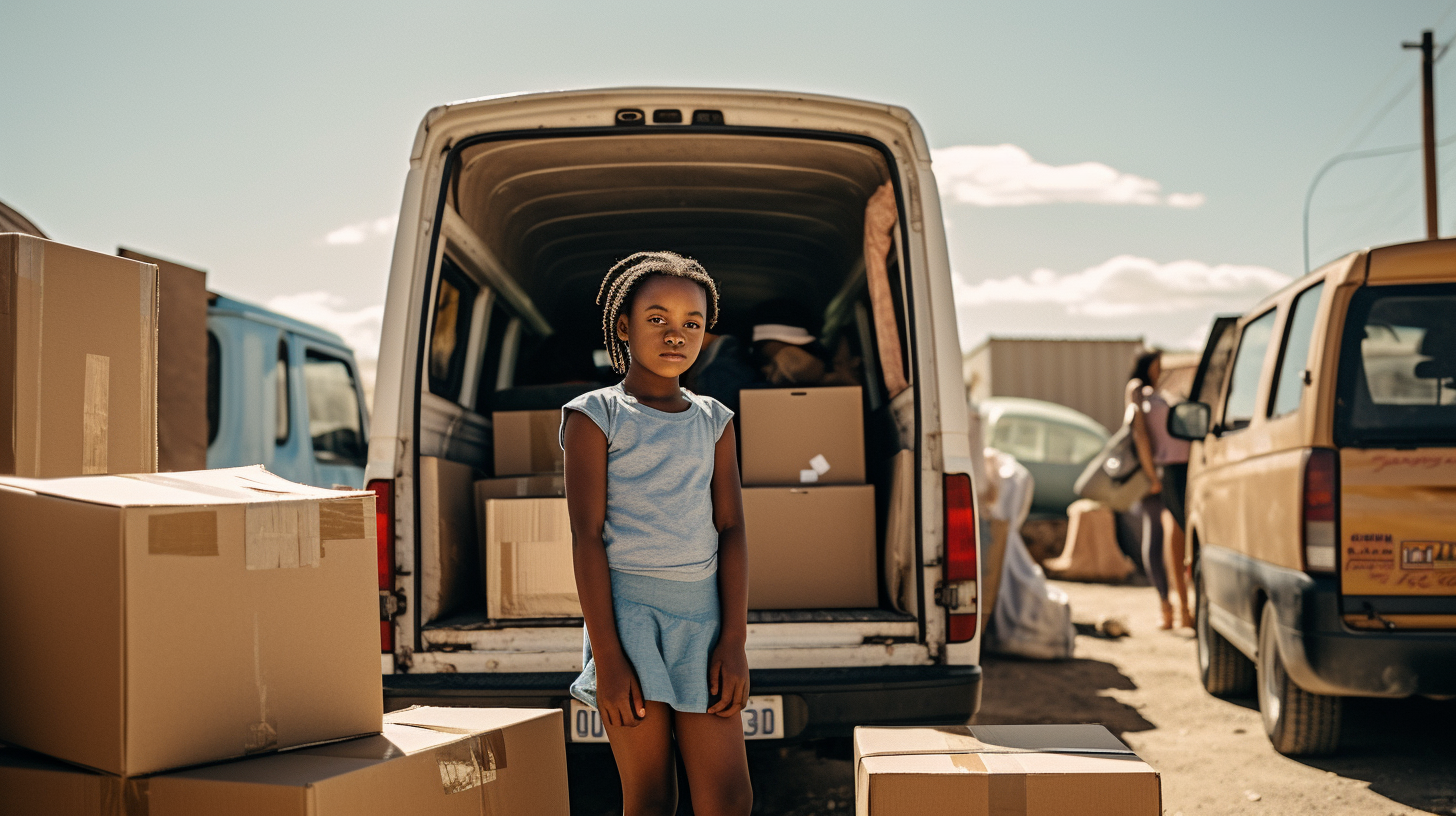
362 231
1128 285
1007 176
359 327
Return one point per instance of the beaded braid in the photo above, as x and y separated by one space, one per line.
622 279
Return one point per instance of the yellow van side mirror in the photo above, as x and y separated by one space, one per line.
1189 420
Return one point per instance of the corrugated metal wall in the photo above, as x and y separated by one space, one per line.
1086 375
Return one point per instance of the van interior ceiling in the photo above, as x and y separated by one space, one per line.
530 227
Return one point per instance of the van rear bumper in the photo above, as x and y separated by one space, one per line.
818 703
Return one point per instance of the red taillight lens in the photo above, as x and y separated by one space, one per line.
383 490
1321 509
960 559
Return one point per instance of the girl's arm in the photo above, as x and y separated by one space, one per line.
728 669
619 696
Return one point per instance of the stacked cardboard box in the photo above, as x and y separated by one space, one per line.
810 516
525 534
78 361
979 770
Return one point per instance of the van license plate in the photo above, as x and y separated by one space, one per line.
763 718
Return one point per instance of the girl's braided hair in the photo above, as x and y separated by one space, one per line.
622 279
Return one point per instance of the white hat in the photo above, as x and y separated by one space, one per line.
793 335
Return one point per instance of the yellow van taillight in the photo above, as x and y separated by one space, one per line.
958 590
383 490
1321 509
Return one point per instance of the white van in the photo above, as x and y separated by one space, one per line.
514 208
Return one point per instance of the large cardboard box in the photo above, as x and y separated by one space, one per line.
529 571
78 361
799 435
161 620
449 552
428 761
181 363
979 770
527 442
811 547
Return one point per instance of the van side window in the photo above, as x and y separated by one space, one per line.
280 374
450 337
333 411
214 386
1294 357
1243 391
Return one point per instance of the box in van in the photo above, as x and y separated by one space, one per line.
798 435
811 547
160 620
1320 492
515 207
78 361
527 442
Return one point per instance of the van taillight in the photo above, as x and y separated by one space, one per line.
1321 509
383 490
958 589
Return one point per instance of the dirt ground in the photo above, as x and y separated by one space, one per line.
1396 756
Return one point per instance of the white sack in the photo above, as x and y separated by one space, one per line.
1032 618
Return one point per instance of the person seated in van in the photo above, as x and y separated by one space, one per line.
1165 459
659 546
787 352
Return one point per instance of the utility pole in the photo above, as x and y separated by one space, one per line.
1428 128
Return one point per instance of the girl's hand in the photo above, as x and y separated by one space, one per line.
619 695
728 678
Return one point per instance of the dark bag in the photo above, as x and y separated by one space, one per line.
1114 476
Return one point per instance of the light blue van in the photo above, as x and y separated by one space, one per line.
284 394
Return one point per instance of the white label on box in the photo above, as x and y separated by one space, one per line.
820 464
808 476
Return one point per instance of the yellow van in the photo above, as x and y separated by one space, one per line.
1322 492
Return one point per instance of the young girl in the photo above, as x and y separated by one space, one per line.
657 537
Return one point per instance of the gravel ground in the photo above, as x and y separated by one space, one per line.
1396 756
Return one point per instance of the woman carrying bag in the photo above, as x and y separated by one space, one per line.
1165 460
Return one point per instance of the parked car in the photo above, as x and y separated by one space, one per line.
514 207
284 394
1320 492
1053 441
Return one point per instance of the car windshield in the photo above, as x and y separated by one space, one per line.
1397 381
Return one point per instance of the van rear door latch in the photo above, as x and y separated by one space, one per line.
958 597
391 604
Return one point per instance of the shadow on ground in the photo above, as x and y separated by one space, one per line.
1403 748
1065 691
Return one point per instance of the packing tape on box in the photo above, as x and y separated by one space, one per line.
263 734
30 264
149 305
95 413
281 535
125 797
468 763
345 519
192 532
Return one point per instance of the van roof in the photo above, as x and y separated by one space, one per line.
224 305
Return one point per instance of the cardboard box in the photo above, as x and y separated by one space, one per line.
519 487
527 442
449 550
428 761
529 570
978 770
811 547
806 435
161 620
78 361
181 363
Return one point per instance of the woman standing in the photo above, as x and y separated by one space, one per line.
1165 459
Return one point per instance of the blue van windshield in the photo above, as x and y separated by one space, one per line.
1397 382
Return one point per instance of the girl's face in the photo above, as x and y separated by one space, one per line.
664 325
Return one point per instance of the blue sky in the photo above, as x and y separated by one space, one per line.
1154 171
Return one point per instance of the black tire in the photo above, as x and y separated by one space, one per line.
1224 670
1298 723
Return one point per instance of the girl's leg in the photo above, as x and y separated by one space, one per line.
1173 535
1150 512
716 762
645 763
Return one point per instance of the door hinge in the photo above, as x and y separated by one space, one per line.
391 604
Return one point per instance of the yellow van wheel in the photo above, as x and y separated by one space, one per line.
1223 669
1298 723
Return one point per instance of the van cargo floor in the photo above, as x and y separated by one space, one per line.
478 620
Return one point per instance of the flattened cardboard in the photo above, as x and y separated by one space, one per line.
449 549
446 761
78 361
811 547
527 442
1005 770
784 429
174 619
526 544
181 363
